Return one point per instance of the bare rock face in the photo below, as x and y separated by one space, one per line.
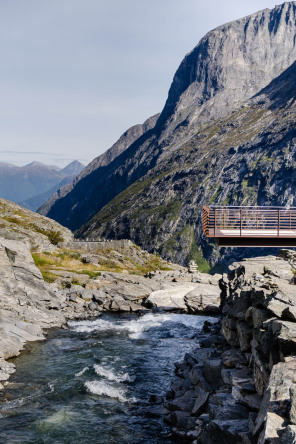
27 303
232 63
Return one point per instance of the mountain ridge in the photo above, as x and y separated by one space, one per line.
19 183
208 101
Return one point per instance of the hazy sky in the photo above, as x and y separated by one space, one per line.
75 74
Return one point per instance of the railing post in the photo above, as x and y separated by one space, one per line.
241 222
214 222
279 222
290 220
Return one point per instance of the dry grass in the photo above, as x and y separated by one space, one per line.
71 261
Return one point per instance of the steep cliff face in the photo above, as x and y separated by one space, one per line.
225 135
230 64
247 158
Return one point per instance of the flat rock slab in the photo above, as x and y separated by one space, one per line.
170 298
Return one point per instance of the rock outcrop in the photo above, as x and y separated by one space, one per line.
226 135
39 232
239 384
27 304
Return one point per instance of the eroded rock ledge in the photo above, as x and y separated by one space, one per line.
239 384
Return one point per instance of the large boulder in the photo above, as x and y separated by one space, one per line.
204 298
171 298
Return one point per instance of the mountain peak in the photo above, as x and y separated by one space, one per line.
230 64
73 168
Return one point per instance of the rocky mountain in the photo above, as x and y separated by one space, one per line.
226 135
21 183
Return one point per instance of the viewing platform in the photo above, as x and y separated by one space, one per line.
250 226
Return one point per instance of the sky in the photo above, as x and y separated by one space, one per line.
76 74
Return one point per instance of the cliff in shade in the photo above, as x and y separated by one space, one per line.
226 135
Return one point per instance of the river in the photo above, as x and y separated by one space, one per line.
92 382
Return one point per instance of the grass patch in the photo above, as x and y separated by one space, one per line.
42 260
91 274
54 237
49 277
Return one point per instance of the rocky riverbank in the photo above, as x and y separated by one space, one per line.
29 305
239 384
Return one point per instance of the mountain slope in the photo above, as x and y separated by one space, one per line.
83 197
229 65
35 202
159 182
246 158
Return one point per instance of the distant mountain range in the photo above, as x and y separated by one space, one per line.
33 184
226 135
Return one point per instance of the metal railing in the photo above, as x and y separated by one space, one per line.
249 221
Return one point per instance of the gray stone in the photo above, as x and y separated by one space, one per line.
27 303
289 435
204 298
92 306
182 420
72 297
228 432
273 425
230 332
277 395
170 298
244 335
183 403
259 316
86 294
292 413
201 400
119 304
212 372
100 296
286 334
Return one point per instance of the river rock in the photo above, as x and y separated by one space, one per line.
277 395
227 432
273 426
289 435
170 298
182 420
120 304
100 296
212 372
92 306
201 400
204 298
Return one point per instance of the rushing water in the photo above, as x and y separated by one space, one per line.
92 383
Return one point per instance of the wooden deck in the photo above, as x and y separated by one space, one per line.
250 226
